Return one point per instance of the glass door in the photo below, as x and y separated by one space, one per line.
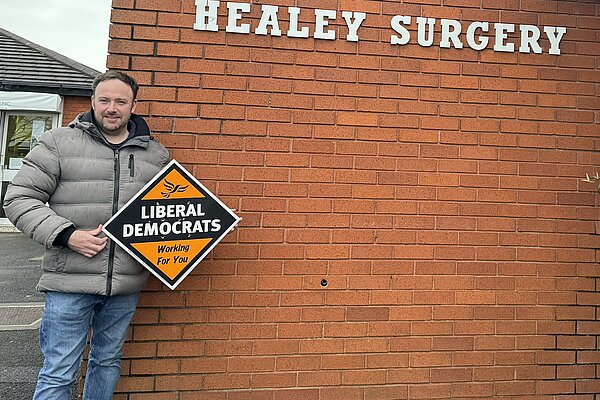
21 131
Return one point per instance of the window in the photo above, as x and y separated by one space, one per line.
22 134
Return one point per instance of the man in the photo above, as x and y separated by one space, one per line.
72 182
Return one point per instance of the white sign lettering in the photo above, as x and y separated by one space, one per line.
504 37
294 31
234 15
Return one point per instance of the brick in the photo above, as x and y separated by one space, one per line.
556 357
265 114
364 377
135 384
346 393
352 329
137 17
344 362
357 119
159 396
575 372
368 314
247 69
314 117
566 342
514 388
319 378
487 374
120 31
366 345
334 103
473 358
387 392
281 100
227 381
294 394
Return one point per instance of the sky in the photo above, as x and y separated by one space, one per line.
77 29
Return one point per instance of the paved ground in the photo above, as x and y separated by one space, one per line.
20 361
20 309
20 262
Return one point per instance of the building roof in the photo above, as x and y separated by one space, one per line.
29 67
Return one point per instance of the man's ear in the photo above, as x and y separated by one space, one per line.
92 101
134 105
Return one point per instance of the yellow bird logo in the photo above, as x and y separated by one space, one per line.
171 188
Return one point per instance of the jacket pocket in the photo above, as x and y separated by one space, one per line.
55 259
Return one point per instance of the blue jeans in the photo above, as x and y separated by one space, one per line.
63 334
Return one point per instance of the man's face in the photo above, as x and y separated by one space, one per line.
113 104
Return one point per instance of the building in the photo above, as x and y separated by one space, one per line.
39 90
415 224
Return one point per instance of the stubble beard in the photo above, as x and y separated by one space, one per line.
111 130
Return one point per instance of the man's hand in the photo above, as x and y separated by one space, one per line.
87 243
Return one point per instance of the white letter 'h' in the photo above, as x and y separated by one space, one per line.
206 15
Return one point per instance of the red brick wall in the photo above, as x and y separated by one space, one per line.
73 106
438 191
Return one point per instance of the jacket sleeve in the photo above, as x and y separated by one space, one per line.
27 195
164 155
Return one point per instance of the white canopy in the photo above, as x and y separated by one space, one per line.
29 101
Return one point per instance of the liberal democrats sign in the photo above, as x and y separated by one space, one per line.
171 224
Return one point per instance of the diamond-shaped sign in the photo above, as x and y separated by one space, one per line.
171 224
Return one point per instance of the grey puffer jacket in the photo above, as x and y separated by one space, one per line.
68 180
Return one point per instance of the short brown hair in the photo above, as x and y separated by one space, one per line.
122 76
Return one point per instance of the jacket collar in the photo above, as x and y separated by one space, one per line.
139 131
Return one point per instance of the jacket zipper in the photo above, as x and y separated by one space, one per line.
115 208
